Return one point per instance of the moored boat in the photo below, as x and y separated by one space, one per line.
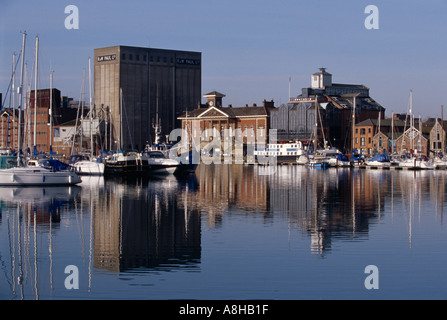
85 166
379 161
46 172
124 163
157 162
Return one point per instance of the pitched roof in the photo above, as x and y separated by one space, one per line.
214 93
383 122
236 112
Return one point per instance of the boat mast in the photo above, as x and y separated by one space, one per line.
13 96
21 97
51 108
392 134
121 120
156 126
35 92
354 103
411 121
316 126
91 108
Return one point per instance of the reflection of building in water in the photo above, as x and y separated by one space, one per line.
326 205
335 203
223 187
145 226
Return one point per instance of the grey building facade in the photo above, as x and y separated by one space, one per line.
137 86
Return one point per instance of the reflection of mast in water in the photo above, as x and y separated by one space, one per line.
317 235
354 217
35 256
26 214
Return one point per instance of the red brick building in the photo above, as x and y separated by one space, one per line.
9 129
43 136
248 123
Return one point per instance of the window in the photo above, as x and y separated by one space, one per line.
363 131
123 56
362 141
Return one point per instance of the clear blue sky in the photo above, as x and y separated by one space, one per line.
249 48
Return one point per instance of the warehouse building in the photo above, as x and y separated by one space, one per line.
138 86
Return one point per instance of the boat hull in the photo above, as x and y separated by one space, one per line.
37 177
89 168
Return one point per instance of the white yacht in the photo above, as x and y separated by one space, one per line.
157 162
45 172
87 167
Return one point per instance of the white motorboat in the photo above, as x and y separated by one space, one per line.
88 167
440 163
46 172
157 162
302 159
84 166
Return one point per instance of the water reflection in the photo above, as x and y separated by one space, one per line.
325 205
27 215
109 227
144 223
100 227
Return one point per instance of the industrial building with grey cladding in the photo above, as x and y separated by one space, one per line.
139 85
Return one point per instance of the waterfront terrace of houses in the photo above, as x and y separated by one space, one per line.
374 136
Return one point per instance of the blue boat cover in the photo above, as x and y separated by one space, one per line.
383 157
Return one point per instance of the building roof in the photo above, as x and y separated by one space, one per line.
383 122
227 112
349 86
322 71
214 94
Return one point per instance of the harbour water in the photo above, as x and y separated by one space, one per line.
228 232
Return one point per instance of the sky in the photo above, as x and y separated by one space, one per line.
251 50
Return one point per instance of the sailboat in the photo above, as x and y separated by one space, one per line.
50 173
124 162
90 166
412 161
380 161
318 160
